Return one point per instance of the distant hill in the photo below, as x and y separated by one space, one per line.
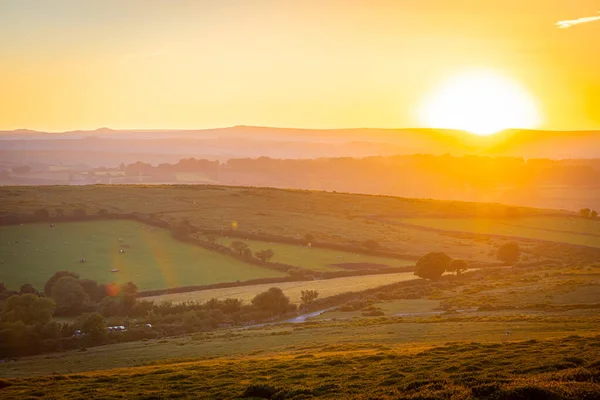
316 142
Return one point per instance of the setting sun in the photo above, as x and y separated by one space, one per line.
480 102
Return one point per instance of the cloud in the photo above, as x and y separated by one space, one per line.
572 22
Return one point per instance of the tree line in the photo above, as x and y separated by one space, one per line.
28 322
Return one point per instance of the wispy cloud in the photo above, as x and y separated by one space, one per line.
572 22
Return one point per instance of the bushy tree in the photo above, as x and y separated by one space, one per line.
27 288
308 296
94 326
272 301
458 266
54 278
241 248
28 309
509 252
432 265
309 238
593 214
264 255
70 296
585 212
94 290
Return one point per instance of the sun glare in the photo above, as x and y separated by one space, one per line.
480 102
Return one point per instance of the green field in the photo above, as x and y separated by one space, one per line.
337 218
326 287
318 259
572 230
152 258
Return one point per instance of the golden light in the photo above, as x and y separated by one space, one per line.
481 102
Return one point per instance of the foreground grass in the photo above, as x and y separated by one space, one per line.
31 253
327 287
319 259
397 333
566 368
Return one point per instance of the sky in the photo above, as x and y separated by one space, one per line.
149 64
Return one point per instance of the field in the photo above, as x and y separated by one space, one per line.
319 259
339 218
572 230
327 287
31 253
393 361
518 332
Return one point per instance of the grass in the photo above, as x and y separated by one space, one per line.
347 219
572 230
568 369
416 307
318 259
326 287
152 259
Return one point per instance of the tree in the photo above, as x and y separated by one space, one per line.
241 248
129 288
308 296
28 309
371 245
594 214
272 301
585 212
54 278
70 296
27 288
458 266
94 290
103 212
509 252
432 265
264 255
93 324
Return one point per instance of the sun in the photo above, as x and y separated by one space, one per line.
481 102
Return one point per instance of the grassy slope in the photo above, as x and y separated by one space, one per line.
327 287
316 258
152 259
569 369
330 217
572 230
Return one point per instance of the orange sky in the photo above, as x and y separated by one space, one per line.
324 64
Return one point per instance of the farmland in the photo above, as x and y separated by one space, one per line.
319 259
336 218
31 253
574 230
327 287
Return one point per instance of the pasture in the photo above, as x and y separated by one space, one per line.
152 259
339 218
319 259
326 288
572 230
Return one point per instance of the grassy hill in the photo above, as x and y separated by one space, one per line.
153 259
338 218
